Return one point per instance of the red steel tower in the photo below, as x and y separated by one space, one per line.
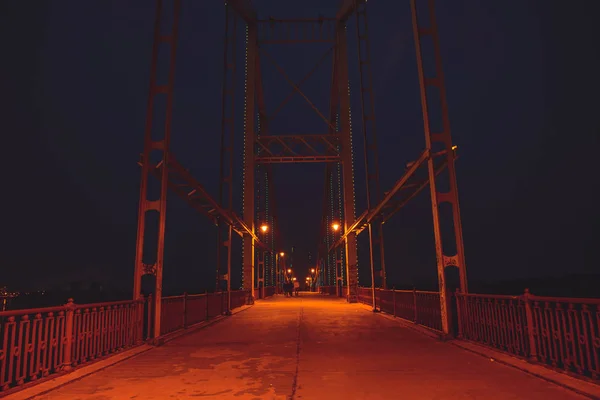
333 145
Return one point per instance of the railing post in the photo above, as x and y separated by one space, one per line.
149 318
415 304
68 344
458 313
222 298
530 326
140 321
394 298
207 308
184 317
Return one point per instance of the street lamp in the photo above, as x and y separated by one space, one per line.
264 228
335 226
279 275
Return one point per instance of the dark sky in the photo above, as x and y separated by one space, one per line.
522 82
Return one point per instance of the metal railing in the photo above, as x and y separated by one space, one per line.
41 342
179 312
264 292
327 290
418 306
563 333
269 291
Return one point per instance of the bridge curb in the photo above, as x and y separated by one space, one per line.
76 374
408 324
577 385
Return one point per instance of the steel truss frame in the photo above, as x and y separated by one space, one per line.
263 148
410 184
171 174
332 259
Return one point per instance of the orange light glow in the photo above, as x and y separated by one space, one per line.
289 270
335 226
312 270
294 278
264 228
281 254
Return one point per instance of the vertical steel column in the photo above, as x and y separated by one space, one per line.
370 143
277 261
227 138
346 156
249 164
261 274
259 214
162 145
229 234
445 138
260 188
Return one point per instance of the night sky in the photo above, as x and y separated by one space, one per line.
522 83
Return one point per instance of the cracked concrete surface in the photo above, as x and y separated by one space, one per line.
311 347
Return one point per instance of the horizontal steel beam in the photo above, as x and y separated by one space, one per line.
290 31
297 160
182 183
398 185
402 185
418 187
368 215
297 148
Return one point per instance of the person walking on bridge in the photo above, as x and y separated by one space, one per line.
296 287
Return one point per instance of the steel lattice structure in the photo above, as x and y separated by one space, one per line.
261 148
439 155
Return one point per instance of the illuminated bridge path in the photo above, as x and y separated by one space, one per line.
311 347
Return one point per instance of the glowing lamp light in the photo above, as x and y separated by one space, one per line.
264 228
281 254
294 278
335 226
289 271
454 147
312 270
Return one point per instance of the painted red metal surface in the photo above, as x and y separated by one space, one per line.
418 306
329 289
563 333
36 343
43 342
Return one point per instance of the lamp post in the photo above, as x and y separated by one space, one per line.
264 228
278 281
312 278
335 226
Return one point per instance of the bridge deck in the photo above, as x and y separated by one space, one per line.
312 347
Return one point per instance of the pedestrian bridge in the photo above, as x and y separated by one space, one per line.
313 346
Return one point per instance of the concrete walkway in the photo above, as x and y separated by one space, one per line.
311 347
